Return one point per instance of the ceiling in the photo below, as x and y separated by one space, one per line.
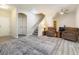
47 9
52 6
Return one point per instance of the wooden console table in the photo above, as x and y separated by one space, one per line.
55 34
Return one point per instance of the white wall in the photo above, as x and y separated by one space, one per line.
4 23
69 20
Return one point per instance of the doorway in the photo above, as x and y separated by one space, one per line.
22 24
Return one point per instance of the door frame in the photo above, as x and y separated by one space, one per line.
26 24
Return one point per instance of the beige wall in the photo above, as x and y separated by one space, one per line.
4 23
69 20
77 17
49 11
8 22
32 19
14 24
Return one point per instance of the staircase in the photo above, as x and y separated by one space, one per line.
34 28
35 32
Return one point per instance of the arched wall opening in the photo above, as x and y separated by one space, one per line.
38 19
22 24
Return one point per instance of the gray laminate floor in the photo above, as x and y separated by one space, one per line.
33 45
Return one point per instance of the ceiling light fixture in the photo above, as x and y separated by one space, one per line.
4 6
61 13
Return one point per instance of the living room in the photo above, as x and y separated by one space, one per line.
39 29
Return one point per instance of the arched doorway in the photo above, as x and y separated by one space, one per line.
22 24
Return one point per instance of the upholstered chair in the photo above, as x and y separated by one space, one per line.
51 32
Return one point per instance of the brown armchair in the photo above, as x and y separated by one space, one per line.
51 32
70 34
